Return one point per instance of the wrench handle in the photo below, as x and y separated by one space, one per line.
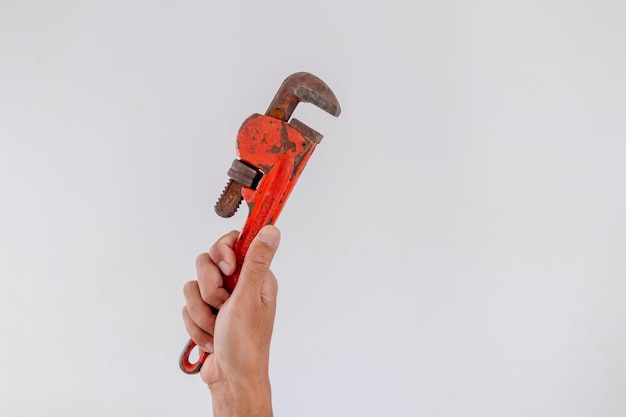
188 367
241 248
282 152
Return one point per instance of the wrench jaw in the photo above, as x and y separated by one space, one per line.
273 152
308 132
280 152
241 175
302 87
278 149
299 87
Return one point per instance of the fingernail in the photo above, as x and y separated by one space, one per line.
269 235
224 267
209 347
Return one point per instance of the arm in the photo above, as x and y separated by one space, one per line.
238 338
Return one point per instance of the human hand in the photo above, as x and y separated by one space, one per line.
238 338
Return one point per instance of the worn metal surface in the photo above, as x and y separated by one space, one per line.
241 175
229 200
302 87
306 131
273 151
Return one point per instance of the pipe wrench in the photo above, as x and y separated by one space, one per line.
273 149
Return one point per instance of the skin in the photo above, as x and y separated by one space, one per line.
238 338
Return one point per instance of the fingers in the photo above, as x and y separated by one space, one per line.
204 296
203 339
222 254
210 281
207 291
255 271
198 317
199 311
210 267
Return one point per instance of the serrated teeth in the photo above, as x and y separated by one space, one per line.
230 200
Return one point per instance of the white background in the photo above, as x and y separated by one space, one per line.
455 247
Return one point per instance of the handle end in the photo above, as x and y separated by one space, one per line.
188 367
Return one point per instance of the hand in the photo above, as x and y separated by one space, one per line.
238 338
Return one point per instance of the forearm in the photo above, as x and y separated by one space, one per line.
246 399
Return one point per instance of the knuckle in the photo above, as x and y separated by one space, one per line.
190 287
207 296
197 325
202 259
208 283
228 238
260 263
196 334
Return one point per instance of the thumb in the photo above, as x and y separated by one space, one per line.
258 259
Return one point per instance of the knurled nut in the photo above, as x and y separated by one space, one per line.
244 174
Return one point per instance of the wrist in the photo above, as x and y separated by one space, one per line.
248 398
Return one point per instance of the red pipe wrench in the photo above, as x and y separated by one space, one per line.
273 151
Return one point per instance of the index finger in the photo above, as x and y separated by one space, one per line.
222 253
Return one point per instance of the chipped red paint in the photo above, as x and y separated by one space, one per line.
277 148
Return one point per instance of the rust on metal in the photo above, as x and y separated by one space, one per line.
272 151
230 200
302 87
241 175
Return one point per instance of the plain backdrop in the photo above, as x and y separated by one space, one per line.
455 247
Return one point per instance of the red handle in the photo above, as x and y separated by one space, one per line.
188 367
281 152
